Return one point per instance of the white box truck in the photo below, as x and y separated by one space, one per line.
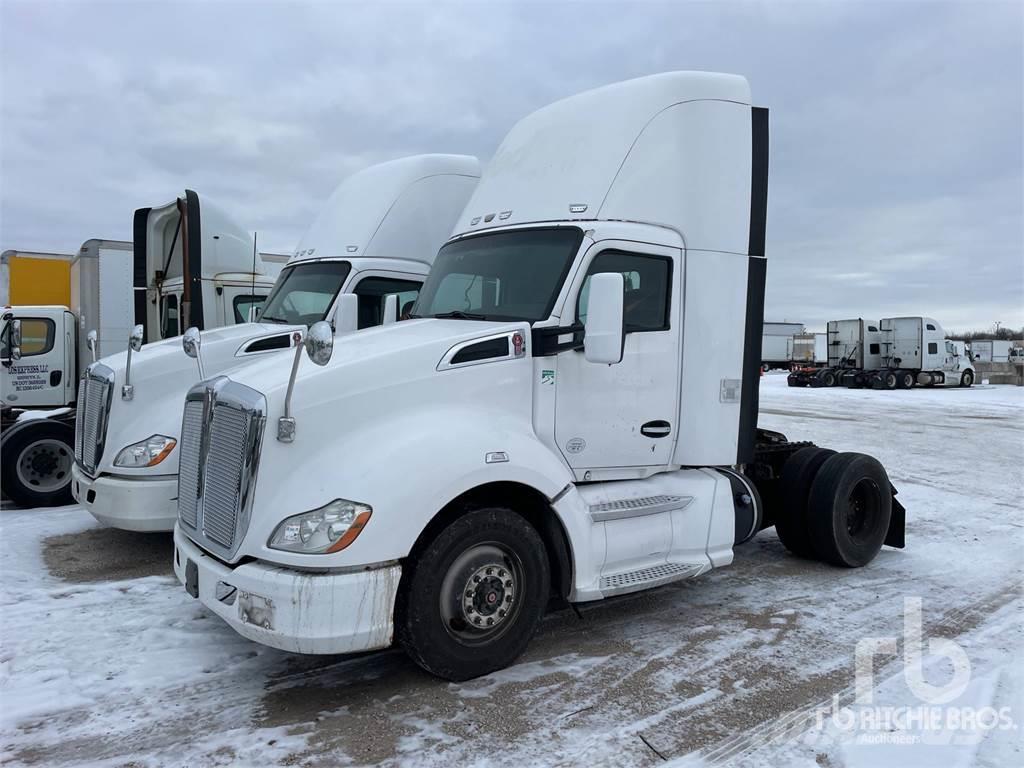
375 238
991 350
117 290
572 411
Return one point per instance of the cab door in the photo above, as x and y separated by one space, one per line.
624 415
38 379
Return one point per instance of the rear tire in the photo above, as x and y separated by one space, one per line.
471 600
828 379
849 507
906 380
798 474
967 379
37 463
889 380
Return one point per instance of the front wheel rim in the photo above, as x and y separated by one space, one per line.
45 465
481 593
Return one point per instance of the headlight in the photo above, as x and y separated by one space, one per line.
328 529
147 453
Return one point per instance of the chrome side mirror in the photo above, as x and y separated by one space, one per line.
91 341
135 340
604 334
319 342
191 341
14 342
134 345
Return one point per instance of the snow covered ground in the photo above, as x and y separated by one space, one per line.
106 661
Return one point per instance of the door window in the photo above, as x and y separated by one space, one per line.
874 349
372 292
242 303
933 348
645 281
169 316
37 337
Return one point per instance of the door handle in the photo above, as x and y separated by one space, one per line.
657 428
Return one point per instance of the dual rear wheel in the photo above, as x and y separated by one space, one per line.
836 506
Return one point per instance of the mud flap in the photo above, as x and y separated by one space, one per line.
894 537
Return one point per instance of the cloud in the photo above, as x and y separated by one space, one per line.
896 168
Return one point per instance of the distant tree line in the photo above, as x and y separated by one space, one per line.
1002 332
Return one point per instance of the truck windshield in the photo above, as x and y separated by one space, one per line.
303 293
512 275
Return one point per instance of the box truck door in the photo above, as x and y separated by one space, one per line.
38 378
624 415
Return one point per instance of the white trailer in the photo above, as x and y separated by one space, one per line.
573 413
375 238
991 350
188 258
776 351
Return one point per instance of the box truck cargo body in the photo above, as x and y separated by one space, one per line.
991 350
810 350
35 278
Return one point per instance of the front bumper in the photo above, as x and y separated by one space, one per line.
293 610
130 504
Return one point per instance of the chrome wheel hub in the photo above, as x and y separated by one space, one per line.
489 595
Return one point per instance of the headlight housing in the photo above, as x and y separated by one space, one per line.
147 453
322 531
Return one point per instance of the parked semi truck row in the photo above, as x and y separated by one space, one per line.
894 353
373 242
548 422
188 260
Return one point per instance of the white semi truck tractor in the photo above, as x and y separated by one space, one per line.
117 290
894 353
572 411
375 238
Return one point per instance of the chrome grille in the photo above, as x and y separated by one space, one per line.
221 434
224 473
188 462
94 391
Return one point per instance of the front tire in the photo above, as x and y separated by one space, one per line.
471 600
849 509
967 379
36 470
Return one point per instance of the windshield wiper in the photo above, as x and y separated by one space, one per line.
269 319
458 314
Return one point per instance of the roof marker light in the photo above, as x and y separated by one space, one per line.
504 215
577 208
473 222
489 217
352 248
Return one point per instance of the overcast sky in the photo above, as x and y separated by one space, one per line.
896 127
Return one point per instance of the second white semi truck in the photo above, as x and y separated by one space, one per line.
117 290
555 420
375 238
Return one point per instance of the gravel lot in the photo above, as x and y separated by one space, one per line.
106 661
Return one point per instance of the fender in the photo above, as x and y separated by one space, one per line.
64 415
446 453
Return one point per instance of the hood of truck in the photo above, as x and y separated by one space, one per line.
391 400
161 374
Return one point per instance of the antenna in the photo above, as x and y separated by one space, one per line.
252 290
